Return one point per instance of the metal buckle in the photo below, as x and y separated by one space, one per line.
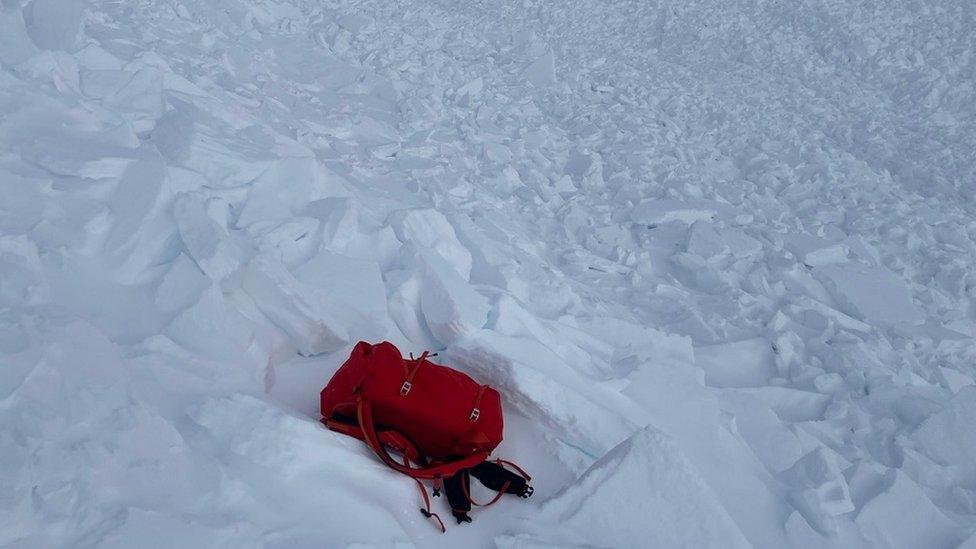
405 388
475 414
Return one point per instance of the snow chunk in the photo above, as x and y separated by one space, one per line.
212 328
772 442
450 306
55 24
275 461
15 45
872 293
666 503
562 340
704 241
285 188
536 382
821 492
472 88
655 212
790 404
189 137
542 71
181 286
348 279
902 517
210 245
955 380
347 230
815 251
21 201
949 436
292 241
708 241
748 363
309 318
826 256
430 229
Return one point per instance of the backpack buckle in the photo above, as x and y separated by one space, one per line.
405 388
475 414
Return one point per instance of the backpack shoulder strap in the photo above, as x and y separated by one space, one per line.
364 412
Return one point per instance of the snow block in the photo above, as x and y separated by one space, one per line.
902 517
212 328
309 317
747 363
710 242
512 319
705 241
820 489
790 405
188 137
181 286
348 279
451 308
655 212
537 384
949 436
541 72
55 24
770 439
403 289
429 228
815 251
15 44
645 493
21 201
210 245
348 230
293 241
277 462
285 188
871 293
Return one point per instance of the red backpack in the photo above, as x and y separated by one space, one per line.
432 415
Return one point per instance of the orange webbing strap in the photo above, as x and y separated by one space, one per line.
389 438
408 381
425 510
464 488
476 410
518 469
364 412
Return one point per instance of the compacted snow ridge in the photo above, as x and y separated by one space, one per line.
718 256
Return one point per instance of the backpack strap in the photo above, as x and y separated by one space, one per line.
521 472
388 437
465 481
402 445
425 510
364 411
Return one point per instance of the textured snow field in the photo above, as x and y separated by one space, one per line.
718 256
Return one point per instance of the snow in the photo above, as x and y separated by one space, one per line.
681 511
747 363
902 516
947 435
717 257
871 293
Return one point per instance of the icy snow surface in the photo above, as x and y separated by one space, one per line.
717 254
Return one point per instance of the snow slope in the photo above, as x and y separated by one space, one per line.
717 255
